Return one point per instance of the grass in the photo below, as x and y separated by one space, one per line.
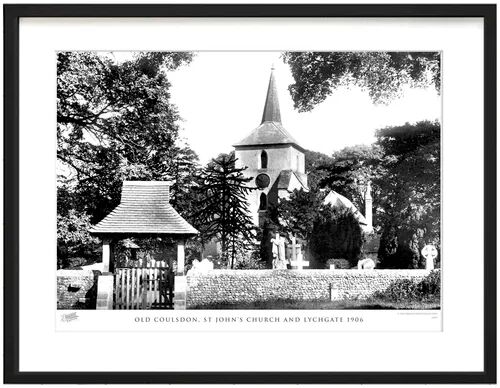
287 304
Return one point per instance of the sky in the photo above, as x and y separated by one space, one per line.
221 95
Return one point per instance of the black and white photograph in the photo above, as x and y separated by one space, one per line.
250 193
248 180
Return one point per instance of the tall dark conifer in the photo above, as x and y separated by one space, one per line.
222 210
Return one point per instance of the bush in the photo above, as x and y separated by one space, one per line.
249 260
339 263
75 245
336 233
409 290
402 289
431 284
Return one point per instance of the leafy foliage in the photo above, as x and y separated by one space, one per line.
351 169
74 240
115 122
409 195
315 163
336 234
407 290
248 260
299 213
431 284
327 232
403 167
221 210
404 164
382 74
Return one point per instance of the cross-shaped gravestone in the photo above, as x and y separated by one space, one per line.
297 258
430 253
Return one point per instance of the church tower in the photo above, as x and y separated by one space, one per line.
274 159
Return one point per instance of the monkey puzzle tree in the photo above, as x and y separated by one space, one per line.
222 211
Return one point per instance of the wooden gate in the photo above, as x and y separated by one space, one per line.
144 288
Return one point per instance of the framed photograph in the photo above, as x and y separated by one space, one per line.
250 193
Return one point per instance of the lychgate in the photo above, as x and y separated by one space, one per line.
144 212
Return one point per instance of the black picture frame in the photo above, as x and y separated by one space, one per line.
12 15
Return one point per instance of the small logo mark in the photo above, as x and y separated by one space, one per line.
69 317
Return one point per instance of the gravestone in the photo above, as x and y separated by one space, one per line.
279 259
299 262
338 264
370 247
429 252
366 264
297 259
202 266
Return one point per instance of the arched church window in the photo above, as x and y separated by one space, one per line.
263 159
263 202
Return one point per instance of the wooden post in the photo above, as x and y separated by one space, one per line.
112 256
105 292
180 257
144 284
294 251
106 254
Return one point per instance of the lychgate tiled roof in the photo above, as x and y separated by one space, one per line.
144 209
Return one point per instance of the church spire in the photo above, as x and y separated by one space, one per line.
272 107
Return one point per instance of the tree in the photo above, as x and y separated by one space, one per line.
403 165
222 211
336 235
349 171
314 166
404 168
327 232
183 169
298 214
382 74
73 239
410 193
115 122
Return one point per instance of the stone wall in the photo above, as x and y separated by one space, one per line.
76 289
232 286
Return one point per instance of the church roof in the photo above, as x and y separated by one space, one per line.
286 176
338 201
270 131
144 209
272 105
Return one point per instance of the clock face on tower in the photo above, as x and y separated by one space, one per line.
262 181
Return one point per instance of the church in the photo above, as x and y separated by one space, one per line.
274 159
